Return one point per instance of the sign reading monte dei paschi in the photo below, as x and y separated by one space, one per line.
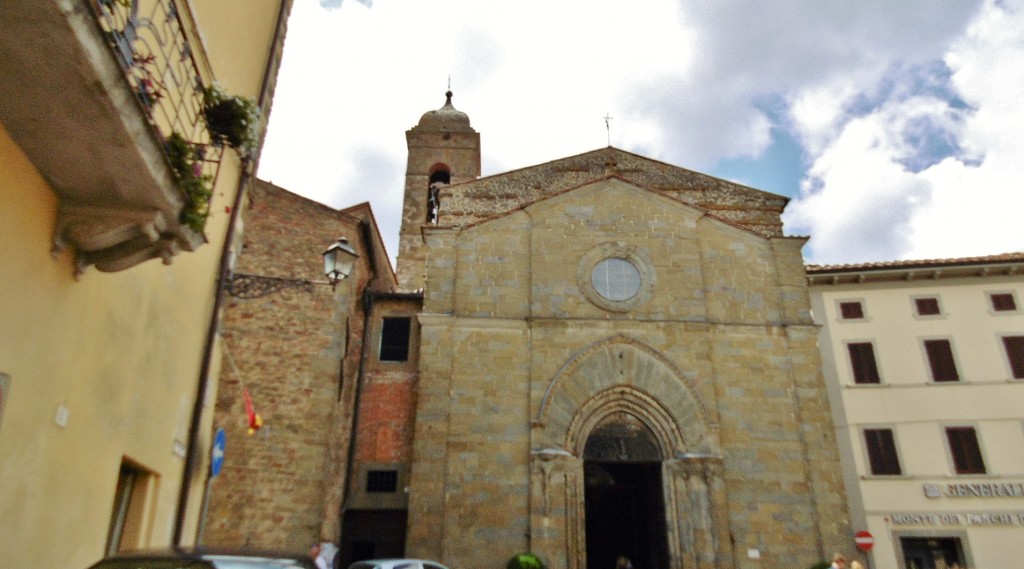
599 356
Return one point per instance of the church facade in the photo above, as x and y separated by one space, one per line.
616 358
607 356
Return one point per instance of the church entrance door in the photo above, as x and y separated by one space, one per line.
624 496
625 515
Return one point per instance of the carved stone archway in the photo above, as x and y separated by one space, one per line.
623 378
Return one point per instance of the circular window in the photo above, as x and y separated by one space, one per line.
616 276
616 279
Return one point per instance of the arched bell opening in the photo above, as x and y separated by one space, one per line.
623 495
440 177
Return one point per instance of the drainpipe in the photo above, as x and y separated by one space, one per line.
223 276
248 165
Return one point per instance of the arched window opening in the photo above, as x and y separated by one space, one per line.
438 179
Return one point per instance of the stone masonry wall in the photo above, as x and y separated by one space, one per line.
726 316
279 487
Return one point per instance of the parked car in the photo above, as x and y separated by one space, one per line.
205 558
396 564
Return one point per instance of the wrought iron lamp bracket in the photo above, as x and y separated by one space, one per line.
243 285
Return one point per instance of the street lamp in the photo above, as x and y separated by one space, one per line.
339 259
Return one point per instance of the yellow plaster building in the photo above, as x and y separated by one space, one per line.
105 352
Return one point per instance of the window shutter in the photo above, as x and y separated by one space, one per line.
940 358
862 358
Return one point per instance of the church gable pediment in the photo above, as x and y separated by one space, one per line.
614 199
600 202
548 257
471 202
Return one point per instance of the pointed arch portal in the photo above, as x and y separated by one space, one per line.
623 498
626 462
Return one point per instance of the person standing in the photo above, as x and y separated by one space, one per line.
839 561
314 552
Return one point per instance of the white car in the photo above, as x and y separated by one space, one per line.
396 564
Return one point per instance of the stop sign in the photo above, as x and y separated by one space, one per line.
864 540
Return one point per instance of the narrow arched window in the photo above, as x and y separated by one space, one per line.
437 180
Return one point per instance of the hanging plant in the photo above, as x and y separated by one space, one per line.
186 164
231 119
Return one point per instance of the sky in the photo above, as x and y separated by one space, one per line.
895 127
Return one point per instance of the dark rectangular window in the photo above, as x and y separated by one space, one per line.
963 446
394 339
382 481
1004 301
882 452
940 358
1015 354
127 519
862 358
927 306
851 310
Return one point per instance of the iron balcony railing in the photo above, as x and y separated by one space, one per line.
149 40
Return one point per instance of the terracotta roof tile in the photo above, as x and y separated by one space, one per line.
1013 257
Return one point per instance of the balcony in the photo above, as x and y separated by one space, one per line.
92 90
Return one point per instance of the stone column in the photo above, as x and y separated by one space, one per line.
556 508
714 477
702 527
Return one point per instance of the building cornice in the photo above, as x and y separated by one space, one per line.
1007 264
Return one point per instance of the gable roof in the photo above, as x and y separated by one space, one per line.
360 215
469 202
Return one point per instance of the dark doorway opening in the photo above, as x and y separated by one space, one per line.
372 534
932 552
625 514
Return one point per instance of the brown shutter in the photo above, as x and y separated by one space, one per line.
940 357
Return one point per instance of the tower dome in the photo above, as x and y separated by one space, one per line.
447 118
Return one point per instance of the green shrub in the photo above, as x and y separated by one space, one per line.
525 561
820 565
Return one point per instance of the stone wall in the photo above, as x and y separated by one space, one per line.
715 354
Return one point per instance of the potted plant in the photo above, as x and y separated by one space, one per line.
231 120
186 160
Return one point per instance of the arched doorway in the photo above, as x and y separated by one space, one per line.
620 419
623 495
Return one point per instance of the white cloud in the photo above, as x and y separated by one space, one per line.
864 199
686 82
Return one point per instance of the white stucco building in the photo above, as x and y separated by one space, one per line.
924 362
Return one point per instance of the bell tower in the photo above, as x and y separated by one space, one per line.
443 149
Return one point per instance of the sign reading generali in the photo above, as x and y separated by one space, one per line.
976 490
